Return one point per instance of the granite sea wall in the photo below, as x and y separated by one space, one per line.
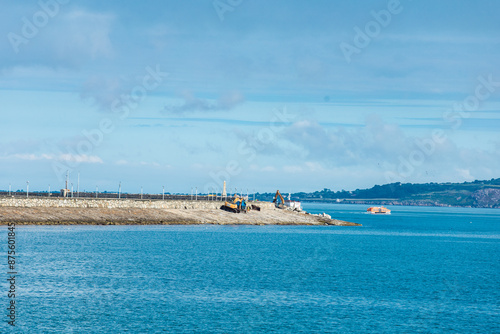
117 203
71 211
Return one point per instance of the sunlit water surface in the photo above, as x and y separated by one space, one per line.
420 269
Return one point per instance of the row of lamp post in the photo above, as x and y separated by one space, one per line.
210 195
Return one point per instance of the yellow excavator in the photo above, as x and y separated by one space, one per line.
238 205
275 200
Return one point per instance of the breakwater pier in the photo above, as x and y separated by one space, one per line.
70 211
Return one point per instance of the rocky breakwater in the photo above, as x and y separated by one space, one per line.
46 211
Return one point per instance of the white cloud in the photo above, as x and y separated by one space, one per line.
30 157
465 174
69 40
103 91
82 158
258 168
375 142
87 32
380 148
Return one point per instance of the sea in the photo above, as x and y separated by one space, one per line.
417 270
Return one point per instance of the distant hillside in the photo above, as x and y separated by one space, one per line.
483 194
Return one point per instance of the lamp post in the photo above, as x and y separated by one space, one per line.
163 193
66 184
196 195
27 188
120 190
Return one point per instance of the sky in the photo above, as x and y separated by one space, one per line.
266 95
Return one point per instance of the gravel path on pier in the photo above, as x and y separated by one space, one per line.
138 216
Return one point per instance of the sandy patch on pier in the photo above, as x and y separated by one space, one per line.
135 216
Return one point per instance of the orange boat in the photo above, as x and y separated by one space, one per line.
379 210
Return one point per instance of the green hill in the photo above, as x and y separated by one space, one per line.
485 194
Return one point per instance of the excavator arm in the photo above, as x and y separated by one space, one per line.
278 195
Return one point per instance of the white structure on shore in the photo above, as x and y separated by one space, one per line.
294 205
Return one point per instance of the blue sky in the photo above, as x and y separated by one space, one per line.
288 95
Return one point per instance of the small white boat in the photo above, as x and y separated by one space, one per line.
379 210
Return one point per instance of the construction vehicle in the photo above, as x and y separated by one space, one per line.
238 205
255 207
281 203
275 200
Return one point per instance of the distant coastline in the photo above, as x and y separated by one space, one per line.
394 202
476 194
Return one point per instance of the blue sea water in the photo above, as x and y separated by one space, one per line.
418 270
